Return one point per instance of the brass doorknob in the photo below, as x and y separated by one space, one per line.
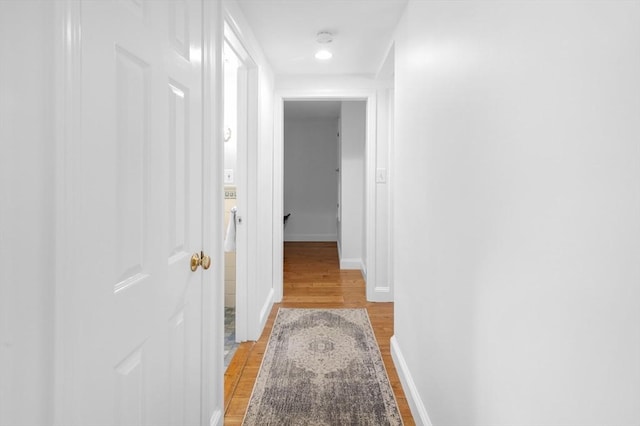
200 259
205 261
195 261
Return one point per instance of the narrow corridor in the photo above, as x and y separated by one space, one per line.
312 279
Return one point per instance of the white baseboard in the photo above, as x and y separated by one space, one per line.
264 313
310 237
216 418
350 264
418 410
380 294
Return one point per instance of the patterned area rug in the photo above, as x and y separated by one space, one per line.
322 367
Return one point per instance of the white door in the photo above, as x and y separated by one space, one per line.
137 356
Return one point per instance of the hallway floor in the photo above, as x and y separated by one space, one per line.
312 279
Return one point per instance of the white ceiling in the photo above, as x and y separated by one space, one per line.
311 109
286 30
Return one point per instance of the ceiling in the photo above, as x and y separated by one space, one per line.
286 31
311 109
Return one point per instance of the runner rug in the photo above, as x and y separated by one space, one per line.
322 367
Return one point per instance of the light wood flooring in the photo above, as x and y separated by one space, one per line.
312 279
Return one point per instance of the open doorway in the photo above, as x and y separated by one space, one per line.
231 67
239 130
311 170
373 219
324 176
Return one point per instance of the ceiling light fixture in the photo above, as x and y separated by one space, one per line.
323 55
324 37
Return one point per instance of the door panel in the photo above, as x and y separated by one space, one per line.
129 390
178 167
139 341
179 21
132 183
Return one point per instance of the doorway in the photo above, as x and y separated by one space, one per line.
363 257
311 170
231 68
324 176
240 122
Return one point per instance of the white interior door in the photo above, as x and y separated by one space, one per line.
138 340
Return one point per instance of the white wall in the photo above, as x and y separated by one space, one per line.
384 197
27 214
517 206
265 209
310 179
231 64
352 171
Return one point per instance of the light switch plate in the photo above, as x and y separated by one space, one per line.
228 175
381 175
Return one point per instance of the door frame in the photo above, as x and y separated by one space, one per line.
370 97
246 167
212 404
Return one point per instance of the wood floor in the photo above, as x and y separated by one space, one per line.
312 279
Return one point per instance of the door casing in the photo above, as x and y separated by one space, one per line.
368 95
245 175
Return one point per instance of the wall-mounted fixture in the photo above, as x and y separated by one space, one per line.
227 134
324 38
